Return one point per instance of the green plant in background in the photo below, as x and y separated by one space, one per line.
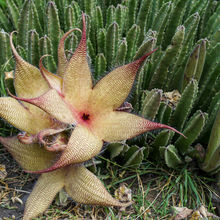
187 35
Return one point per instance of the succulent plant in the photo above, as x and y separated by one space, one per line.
187 35
82 185
47 106
213 148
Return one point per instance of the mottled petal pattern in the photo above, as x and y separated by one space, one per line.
112 90
20 117
82 146
54 81
28 81
77 77
122 126
84 187
46 188
62 59
29 156
52 103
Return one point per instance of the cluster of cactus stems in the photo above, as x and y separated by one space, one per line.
187 37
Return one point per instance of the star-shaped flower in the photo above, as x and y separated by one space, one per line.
82 185
73 101
49 108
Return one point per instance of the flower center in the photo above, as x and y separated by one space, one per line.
85 117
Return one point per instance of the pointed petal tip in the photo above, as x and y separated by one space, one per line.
144 57
62 59
83 17
137 63
45 55
85 188
54 81
150 125
124 205
12 45
61 43
117 203
172 129
82 44
41 66
83 39
11 34
82 48
57 165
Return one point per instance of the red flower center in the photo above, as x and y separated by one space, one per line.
85 117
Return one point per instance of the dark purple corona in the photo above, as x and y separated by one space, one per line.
85 117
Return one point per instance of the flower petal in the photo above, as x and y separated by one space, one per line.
20 117
82 146
118 126
77 77
54 81
112 90
46 188
29 156
62 60
52 103
84 187
28 80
